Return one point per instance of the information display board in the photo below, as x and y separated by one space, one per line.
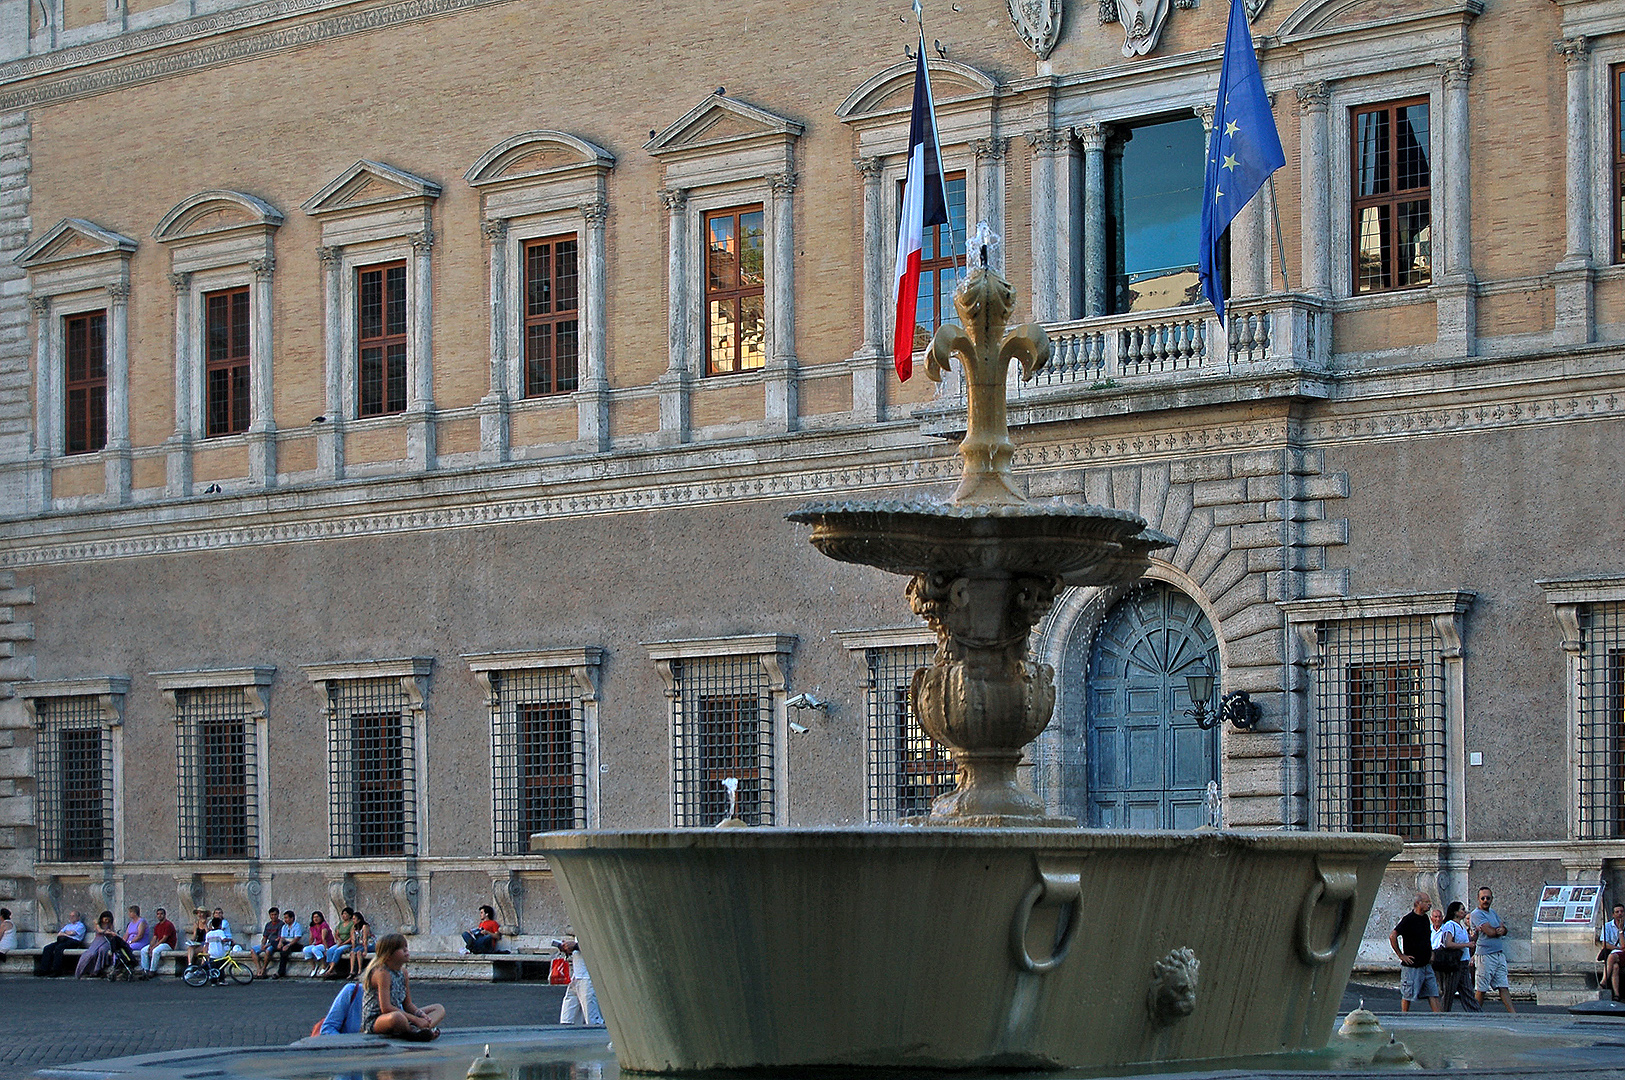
1568 905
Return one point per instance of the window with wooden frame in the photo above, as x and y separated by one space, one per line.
552 312
941 257
85 343
225 364
1393 177
381 339
735 312
1616 102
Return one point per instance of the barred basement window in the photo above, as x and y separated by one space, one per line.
1601 735
75 771
907 769
538 756
217 755
1380 733
372 781
722 728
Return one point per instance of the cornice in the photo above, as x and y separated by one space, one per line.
54 76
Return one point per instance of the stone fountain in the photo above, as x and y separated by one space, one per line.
1000 937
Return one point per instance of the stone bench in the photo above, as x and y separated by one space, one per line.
492 967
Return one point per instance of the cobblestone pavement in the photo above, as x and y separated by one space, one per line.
46 1022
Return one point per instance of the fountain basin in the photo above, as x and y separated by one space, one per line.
949 948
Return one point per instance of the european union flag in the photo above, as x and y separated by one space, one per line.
1242 151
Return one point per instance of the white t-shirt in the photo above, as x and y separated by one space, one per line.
578 967
216 941
1451 931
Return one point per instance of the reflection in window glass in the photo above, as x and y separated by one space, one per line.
1154 192
735 322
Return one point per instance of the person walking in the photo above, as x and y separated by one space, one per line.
71 936
1491 953
386 997
1409 940
580 1005
163 940
1449 951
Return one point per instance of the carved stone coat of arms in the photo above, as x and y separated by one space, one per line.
1038 22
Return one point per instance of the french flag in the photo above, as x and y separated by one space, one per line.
925 203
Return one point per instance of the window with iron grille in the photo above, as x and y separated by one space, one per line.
538 756
75 774
225 368
552 327
907 769
1393 178
381 339
1379 729
1601 737
372 780
217 758
85 342
722 728
735 315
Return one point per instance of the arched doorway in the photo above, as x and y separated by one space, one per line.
1149 764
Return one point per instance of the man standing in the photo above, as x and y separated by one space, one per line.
269 936
71 936
163 940
1491 953
1410 942
291 941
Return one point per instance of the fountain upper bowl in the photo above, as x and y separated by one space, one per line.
1082 544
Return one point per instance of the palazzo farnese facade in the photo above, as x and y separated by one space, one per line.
400 401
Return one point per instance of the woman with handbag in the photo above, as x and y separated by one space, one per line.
1449 948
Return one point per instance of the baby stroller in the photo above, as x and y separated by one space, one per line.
122 969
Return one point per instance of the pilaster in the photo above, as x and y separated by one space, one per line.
493 408
420 431
781 406
262 423
1456 290
330 436
1315 181
989 157
592 399
178 456
869 366
116 456
1092 137
1574 279
1048 146
675 382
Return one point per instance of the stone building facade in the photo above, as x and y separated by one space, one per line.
400 401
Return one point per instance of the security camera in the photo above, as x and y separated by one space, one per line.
799 729
806 701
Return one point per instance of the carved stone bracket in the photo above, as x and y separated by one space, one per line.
341 892
508 897
1568 620
406 891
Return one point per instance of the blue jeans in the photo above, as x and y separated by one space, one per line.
479 942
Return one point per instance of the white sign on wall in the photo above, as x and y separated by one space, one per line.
1568 905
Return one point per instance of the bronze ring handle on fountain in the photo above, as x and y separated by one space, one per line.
1055 885
1337 884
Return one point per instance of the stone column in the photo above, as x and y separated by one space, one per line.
117 454
1047 146
262 421
420 432
781 406
1455 287
330 436
674 383
178 459
870 365
47 401
1575 275
1315 186
1093 138
592 408
493 408
989 155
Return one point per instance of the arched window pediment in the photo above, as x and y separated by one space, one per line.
538 156
893 88
211 212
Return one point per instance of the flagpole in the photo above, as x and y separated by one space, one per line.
953 243
1280 245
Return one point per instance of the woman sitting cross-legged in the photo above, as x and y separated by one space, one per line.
386 997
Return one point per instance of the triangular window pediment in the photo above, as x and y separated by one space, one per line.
538 154
212 212
893 88
74 238
722 120
368 184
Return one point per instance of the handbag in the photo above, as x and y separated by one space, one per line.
558 973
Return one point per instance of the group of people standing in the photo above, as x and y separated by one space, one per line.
1452 953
